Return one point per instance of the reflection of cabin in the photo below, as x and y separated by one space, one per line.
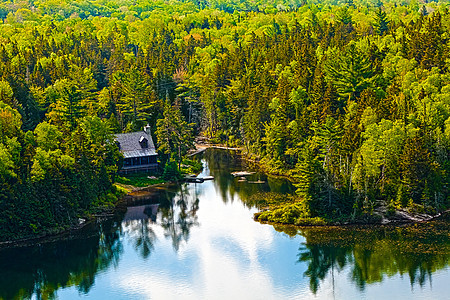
138 151
142 212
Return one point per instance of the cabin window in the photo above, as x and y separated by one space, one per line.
127 162
143 142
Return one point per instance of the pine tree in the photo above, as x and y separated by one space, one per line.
327 138
415 167
349 71
381 22
173 133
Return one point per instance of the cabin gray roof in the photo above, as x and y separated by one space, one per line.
130 144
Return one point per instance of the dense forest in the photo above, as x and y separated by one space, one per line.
350 99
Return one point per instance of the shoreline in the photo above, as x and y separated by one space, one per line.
394 223
50 237
399 217
132 192
46 237
124 201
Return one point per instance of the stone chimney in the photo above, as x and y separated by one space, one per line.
147 129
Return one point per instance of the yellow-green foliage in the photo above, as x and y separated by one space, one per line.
287 214
120 190
346 98
190 166
290 214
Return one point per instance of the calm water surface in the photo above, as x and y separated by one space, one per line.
199 241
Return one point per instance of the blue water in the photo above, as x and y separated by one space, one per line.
204 244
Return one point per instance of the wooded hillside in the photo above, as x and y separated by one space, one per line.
352 99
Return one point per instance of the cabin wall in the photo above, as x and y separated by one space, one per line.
135 164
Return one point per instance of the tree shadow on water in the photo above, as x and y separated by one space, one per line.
372 255
39 271
142 235
179 215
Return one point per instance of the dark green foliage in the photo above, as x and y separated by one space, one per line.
171 171
350 71
174 134
48 181
381 22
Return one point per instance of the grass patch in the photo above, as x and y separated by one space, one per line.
138 180
189 166
121 190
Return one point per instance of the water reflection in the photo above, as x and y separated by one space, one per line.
195 241
137 224
175 212
41 270
141 235
179 214
372 254
221 163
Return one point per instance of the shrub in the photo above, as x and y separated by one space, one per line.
191 166
171 172
286 214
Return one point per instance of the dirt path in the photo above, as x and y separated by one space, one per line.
202 147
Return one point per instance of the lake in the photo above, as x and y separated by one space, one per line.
199 241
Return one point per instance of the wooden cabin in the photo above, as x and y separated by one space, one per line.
138 151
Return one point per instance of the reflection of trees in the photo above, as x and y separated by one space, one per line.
222 162
373 254
142 235
320 261
41 270
178 215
